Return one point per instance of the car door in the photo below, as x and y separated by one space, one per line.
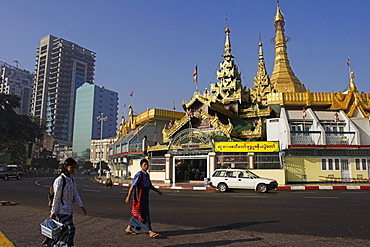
231 179
245 180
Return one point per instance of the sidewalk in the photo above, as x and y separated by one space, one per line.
201 186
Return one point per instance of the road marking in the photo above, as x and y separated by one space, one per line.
182 195
91 190
354 192
321 197
37 182
86 185
252 196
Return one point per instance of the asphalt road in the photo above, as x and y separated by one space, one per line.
195 218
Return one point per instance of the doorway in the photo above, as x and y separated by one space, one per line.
345 170
190 168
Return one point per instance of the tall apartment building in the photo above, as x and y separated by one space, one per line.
91 102
19 82
61 67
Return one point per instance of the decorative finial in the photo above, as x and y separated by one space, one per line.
261 51
279 15
227 41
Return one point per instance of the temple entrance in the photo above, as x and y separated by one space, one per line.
190 168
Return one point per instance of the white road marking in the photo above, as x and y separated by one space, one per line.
91 190
321 197
252 196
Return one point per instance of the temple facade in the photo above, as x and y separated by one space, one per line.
278 128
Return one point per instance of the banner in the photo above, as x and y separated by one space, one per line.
247 147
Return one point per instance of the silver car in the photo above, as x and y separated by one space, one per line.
225 179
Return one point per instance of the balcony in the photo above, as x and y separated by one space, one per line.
305 137
340 138
314 138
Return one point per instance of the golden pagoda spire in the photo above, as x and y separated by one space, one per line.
229 88
261 82
283 78
227 43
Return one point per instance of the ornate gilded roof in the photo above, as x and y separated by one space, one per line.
351 102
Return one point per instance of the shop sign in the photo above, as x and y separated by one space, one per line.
189 146
247 147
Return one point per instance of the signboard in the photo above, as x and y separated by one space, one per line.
247 147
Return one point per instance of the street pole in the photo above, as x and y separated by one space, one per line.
101 119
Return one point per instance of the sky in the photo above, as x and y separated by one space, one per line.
151 48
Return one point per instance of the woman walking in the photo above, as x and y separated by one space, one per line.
139 190
65 194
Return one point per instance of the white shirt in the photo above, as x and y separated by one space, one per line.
70 195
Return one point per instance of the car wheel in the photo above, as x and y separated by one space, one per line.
6 177
18 176
222 187
262 188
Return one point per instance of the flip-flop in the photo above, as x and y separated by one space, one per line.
154 235
130 232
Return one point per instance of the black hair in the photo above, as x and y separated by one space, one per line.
143 161
68 162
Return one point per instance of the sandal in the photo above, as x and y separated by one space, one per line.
128 232
154 235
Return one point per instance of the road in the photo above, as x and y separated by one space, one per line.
196 218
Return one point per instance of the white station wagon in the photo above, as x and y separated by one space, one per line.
225 179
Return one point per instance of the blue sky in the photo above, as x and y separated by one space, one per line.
151 47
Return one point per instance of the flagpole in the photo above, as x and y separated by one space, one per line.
349 68
195 77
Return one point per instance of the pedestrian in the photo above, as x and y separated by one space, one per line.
139 190
65 194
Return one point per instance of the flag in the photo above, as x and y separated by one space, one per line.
195 74
170 124
304 115
336 117
132 94
348 62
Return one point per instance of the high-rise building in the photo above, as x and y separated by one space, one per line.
19 82
61 67
93 101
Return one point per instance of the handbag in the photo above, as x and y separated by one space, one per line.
136 207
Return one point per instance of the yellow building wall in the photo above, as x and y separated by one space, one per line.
308 169
277 174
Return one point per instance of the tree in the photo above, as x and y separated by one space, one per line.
17 131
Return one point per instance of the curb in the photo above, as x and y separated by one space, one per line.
288 187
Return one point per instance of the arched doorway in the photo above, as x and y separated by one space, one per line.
190 148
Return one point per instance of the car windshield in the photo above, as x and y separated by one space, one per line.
2 169
252 174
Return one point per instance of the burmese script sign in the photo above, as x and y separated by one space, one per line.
247 147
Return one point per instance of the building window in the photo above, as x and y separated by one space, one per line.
157 164
330 164
361 164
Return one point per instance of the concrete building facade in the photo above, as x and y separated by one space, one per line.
61 67
18 82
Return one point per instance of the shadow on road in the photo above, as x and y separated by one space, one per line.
214 229
217 243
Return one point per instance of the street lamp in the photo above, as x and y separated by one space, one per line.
101 119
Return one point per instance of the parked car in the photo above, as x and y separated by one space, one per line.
225 179
10 171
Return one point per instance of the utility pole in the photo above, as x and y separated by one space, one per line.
101 119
